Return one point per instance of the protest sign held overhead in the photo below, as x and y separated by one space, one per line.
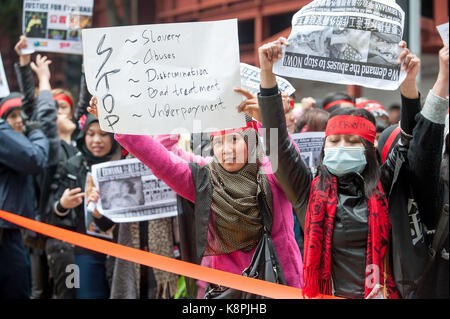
55 25
129 192
165 78
250 80
443 32
346 42
4 88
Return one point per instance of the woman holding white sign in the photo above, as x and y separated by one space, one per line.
228 196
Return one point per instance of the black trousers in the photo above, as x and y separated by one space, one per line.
59 255
14 273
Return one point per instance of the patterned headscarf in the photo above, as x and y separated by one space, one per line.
236 222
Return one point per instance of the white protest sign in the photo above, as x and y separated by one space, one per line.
251 78
165 78
129 192
55 25
443 32
4 88
346 42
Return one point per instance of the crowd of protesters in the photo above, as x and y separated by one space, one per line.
379 198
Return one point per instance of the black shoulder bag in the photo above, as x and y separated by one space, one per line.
264 265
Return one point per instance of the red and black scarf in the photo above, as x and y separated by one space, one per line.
318 240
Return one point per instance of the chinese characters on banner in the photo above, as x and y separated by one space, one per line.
55 25
351 42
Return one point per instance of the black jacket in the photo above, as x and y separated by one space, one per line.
425 157
295 179
74 175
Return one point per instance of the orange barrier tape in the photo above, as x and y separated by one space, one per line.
255 286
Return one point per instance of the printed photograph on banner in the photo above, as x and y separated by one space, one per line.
89 219
165 78
4 88
54 26
130 192
35 24
343 43
310 145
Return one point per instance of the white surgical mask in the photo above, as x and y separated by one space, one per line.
342 160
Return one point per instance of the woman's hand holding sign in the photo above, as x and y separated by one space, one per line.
92 108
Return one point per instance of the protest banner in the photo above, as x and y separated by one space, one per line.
55 25
165 78
346 42
250 80
443 32
91 226
129 192
4 88
310 145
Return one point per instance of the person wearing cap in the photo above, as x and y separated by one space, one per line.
21 157
227 193
343 210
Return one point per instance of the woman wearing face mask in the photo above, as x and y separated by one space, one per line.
96 146
227 192
346 223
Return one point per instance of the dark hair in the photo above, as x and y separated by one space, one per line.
336 96
394 107
316 119
381 124
371 172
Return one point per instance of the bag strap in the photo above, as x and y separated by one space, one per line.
265 212
441 232
437 244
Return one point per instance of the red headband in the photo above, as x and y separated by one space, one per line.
250 125
63 97
9 104
389 142
336 103
351 125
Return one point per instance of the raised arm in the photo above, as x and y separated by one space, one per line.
410 94
290 170
425 152
411 106
25 78
46 111
83 99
